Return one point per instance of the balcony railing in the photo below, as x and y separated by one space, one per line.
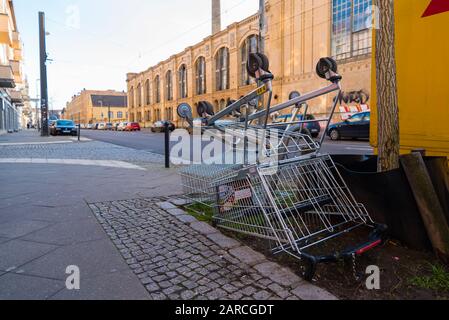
6 77
16 70
5 29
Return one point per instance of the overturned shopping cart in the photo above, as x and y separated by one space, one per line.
297 198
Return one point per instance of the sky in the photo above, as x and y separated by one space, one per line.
94 43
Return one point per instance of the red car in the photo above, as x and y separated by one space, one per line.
132 126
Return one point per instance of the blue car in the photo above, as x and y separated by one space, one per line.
311 128
356 127
63 127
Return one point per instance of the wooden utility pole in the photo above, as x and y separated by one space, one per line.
387 94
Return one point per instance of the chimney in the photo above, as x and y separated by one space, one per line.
216 16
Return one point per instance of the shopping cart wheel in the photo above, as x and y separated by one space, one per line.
257 61
293 95
309 269
205 107
185 111
325 65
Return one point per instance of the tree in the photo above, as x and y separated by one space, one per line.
387 96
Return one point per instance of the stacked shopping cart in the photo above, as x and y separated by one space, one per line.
291 194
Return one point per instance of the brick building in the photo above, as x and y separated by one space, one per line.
298 33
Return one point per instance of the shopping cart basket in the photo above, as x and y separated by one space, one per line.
301 205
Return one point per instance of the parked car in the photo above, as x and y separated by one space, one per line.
89 126
109 126
357 126
63 127
132 126
95 126
311 128
101 126
122 126
159 126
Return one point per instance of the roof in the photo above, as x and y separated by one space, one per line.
109 101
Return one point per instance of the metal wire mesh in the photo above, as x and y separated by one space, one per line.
273 144
297 204
199 181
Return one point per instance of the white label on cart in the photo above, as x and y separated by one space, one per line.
243 194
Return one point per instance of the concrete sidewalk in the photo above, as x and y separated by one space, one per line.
47 225
113 224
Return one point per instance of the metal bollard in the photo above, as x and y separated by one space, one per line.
167 145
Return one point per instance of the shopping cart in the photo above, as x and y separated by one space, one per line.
292 195
301 206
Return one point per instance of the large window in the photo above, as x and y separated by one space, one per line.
351 33
139 95
157 89
249 46
131 97
200 75
169 114
182 77
222 69
147 93
169 85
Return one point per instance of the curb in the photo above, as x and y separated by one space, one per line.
282 276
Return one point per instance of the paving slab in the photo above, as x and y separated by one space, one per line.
180 202
223 241
282 276
307 291
176 212
93 258
186 219
22 287
167 205
115 286
247 255
203 228
67 233
17 229
16 253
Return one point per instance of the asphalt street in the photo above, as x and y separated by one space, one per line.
154 142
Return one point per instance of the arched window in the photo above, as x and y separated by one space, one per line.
131 97
139 95
157 89
147 93
249 46
222 104
182 76
169 114
200 76
222 69
169 85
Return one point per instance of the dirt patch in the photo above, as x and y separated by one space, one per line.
405 274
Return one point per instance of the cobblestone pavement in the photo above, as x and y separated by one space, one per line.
92 150
176 257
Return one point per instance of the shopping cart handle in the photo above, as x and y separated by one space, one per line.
375 239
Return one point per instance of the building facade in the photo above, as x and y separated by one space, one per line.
93 106
12 85
298 33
